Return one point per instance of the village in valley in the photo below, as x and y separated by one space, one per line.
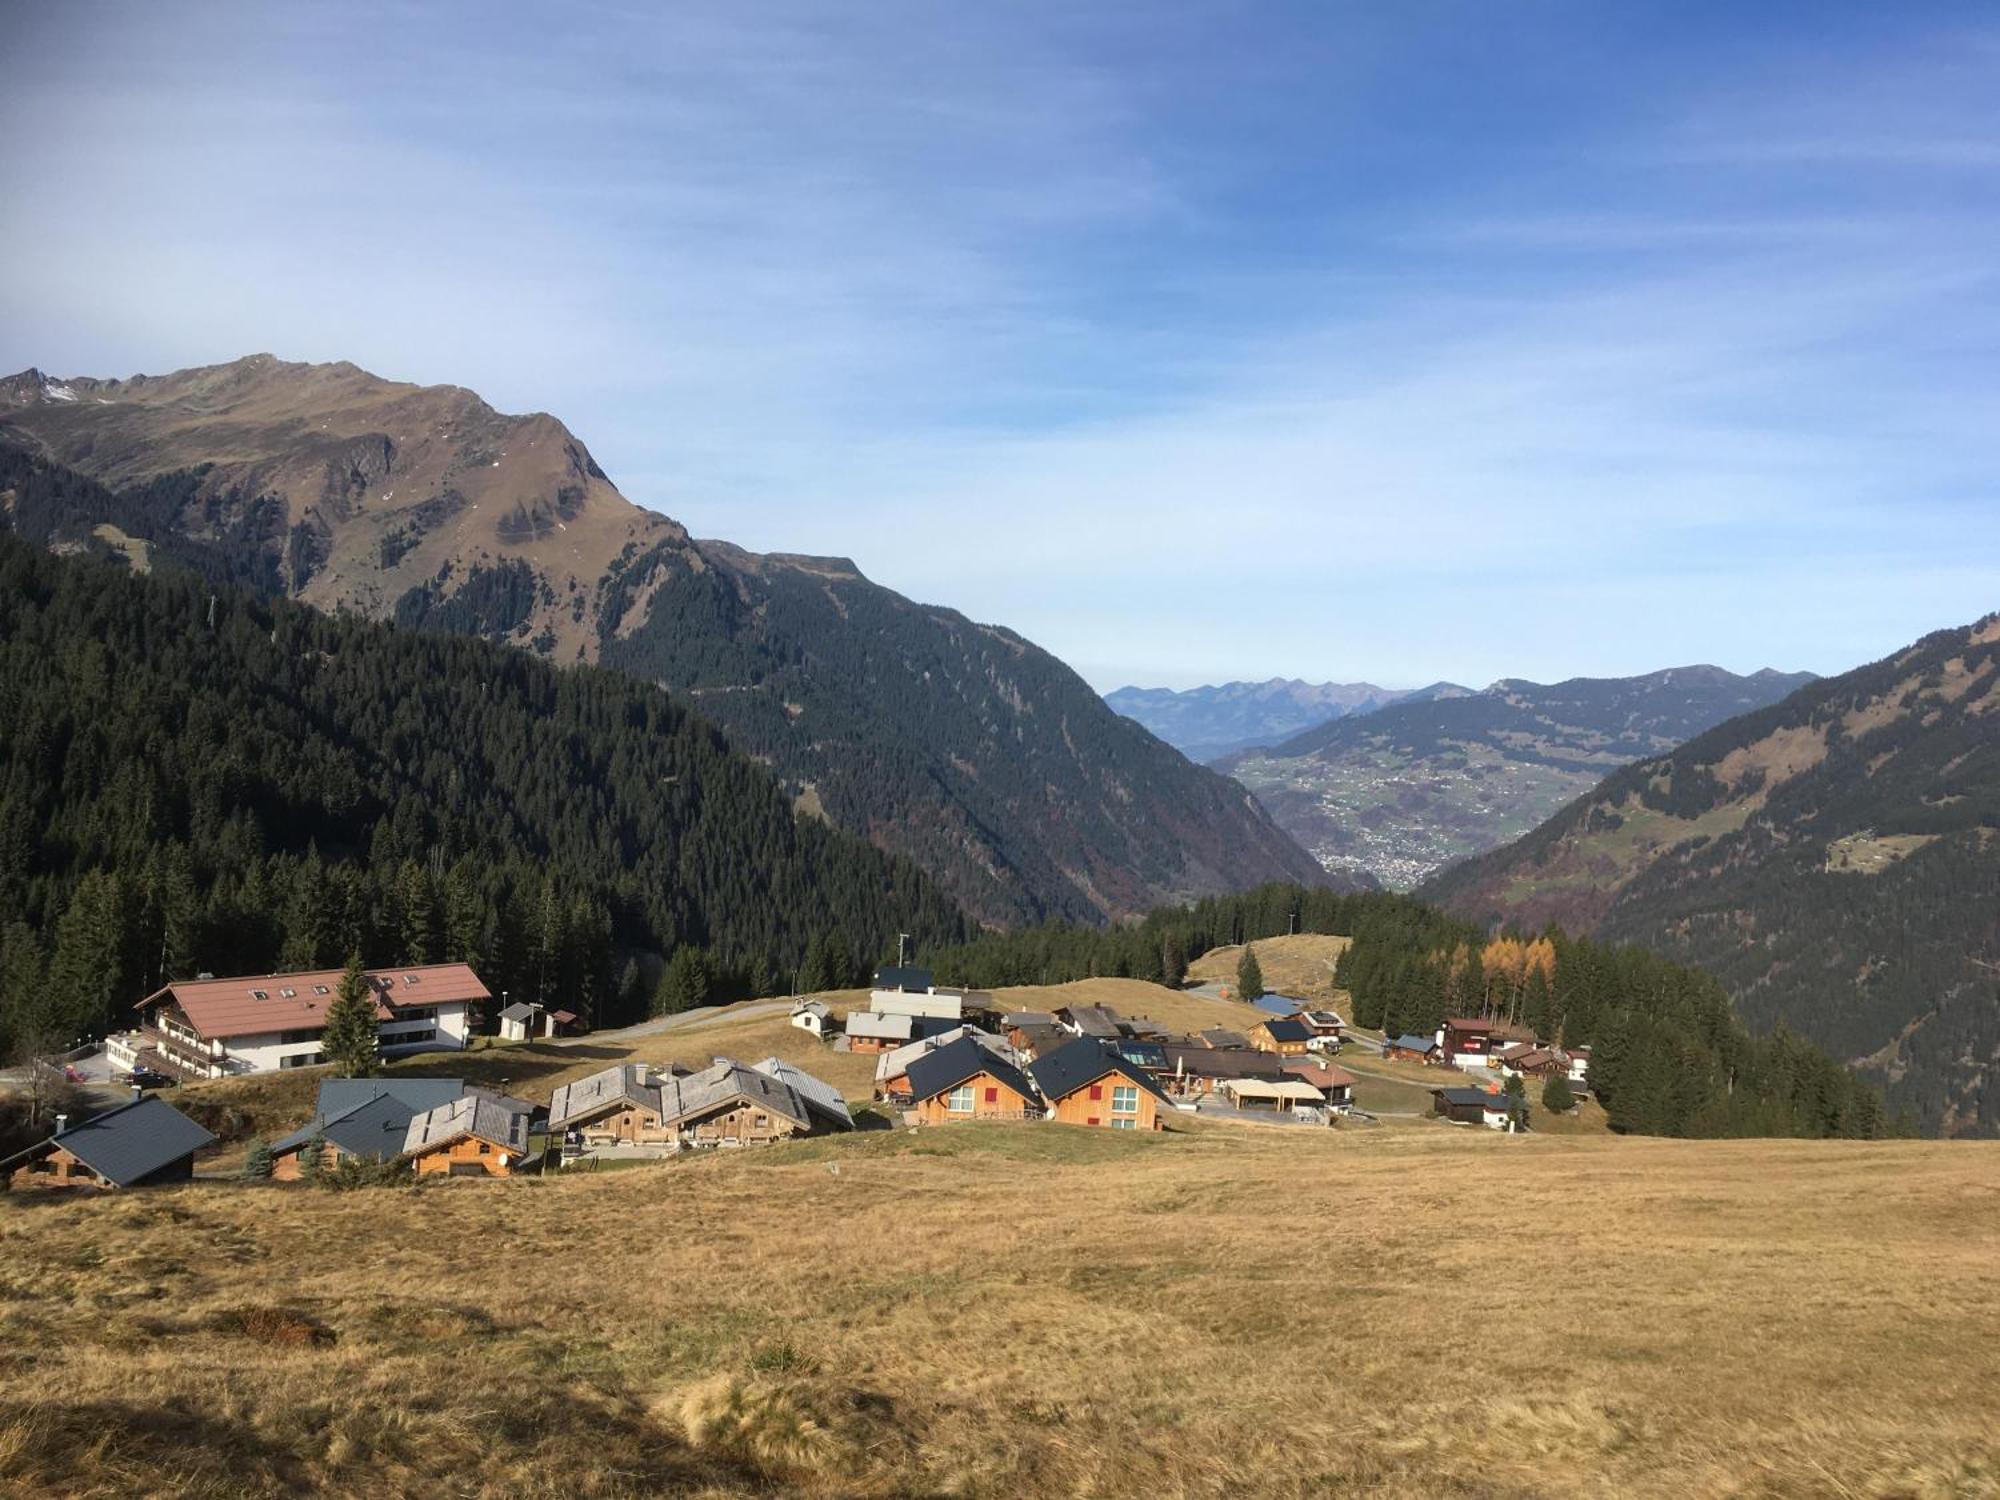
458 1089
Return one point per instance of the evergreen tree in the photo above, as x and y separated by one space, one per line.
685 984
89 973
1249 977
349 1042
1556 1096
813 976
1173 961
1516 1093
257 1160
416 911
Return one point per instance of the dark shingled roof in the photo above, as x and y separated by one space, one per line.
912 980
1082 1062
133 1141
1285 1029
957 1061
1465 1097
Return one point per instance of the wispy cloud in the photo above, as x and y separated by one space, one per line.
1192 344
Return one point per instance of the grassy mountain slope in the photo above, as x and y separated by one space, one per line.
1834 859
1401 792
193 778
1076 1312
958 744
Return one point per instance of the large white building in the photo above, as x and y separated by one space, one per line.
217 1028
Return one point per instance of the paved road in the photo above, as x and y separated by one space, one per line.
706 1015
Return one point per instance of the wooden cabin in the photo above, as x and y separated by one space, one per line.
141 1144
1089 1083
966 1081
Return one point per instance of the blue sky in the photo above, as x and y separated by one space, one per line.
1192 341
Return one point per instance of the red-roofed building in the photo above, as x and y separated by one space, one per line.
217 1028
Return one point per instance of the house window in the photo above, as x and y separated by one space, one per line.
993 1096
959 1100
1124 1124
320 989
409 979
293 1038
260 994
301 1060
1096 1091
1124 1100
289 994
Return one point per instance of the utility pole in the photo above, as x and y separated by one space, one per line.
902 949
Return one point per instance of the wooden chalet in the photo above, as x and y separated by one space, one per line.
1193 1071
965 1081
1287 1036
367 1119
1411 1048
141 1144
1474 1106
475 1135
1089 1083
724 1104
1471 1041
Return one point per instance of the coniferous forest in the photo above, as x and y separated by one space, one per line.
193 778
1668 1056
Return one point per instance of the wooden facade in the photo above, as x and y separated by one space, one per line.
56 1169
289 1166
745 1123
989 1099
1111 1101
629 1124
468 1156
62 1168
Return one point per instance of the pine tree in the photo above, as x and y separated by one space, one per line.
349 1041
88 970
685 984
813 975
1516 1093
257 1160
1556 1096
1249 977
416 910
1173 961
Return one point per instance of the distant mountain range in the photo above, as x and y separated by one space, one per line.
1834 859
1205 723
961 745
1400 793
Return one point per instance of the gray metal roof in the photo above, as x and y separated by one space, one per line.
1027 1018
1411 1043
819 1096
1287 1029
133 1141
490 1117
865 1023
517 1012
374 1128
339 1095
889 977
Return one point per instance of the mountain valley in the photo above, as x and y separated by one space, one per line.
960 745
1399 793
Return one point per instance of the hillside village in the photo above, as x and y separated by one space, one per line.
932 1056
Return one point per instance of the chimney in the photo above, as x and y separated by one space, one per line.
62 1121
137 1093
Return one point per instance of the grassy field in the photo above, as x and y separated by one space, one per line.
1033 1310
1300 966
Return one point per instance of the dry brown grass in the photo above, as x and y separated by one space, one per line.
1174 1009
1008 1310
1299 965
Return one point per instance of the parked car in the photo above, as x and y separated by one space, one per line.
146 1078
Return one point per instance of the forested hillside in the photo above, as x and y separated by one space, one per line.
192 779
1833 860
1402 792
958 744
1669 1057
